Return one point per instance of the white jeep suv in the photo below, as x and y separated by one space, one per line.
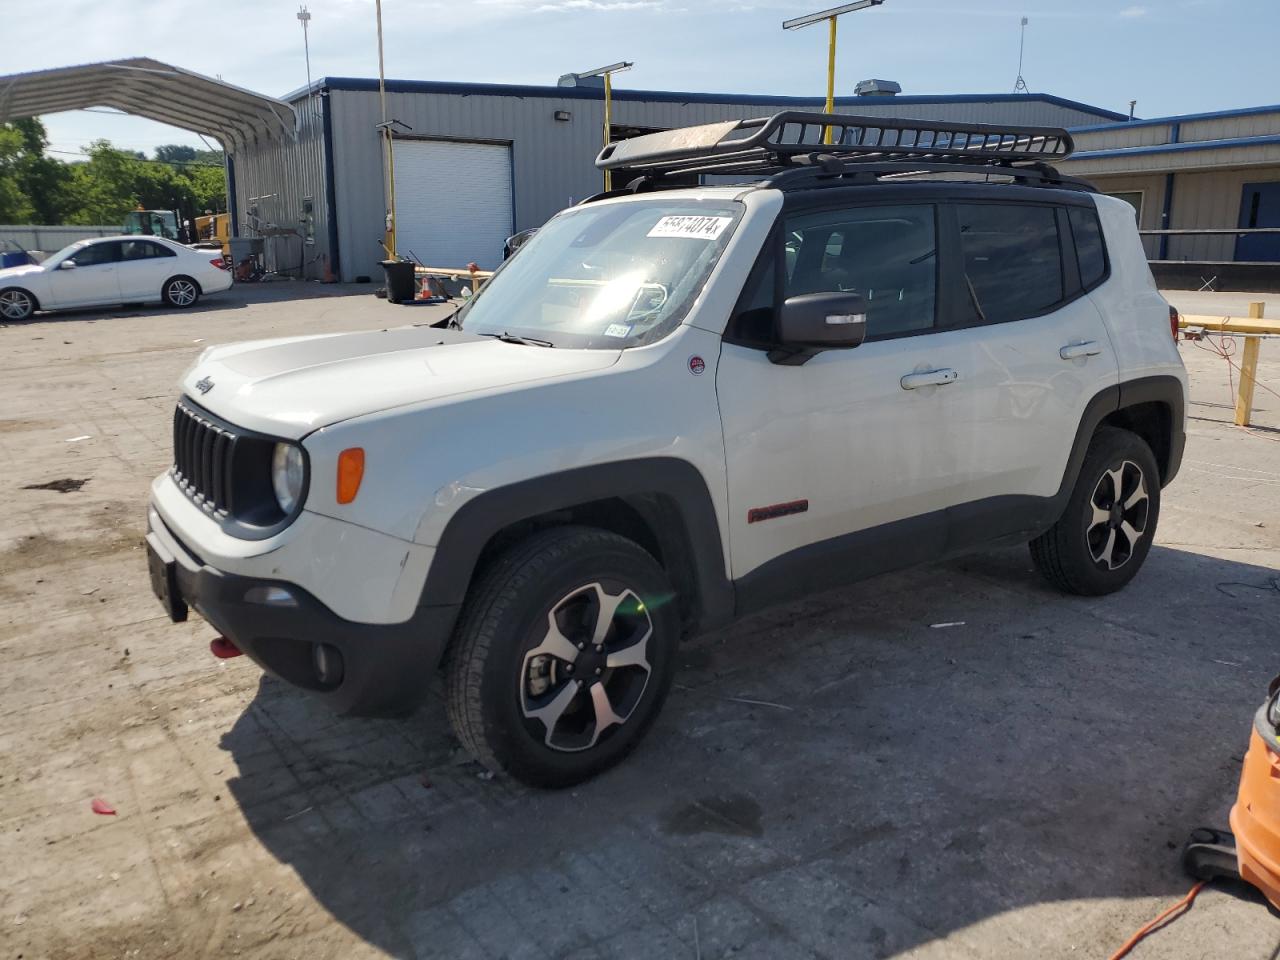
672 408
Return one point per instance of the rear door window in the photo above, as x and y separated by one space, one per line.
1090 252
1012 261
144 250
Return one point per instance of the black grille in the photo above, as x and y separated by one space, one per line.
204 455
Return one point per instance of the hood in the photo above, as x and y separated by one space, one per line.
294 386
12 273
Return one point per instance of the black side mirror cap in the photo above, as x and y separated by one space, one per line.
812 322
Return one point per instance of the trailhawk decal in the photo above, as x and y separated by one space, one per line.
698 228
774 510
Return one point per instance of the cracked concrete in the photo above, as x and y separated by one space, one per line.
835 778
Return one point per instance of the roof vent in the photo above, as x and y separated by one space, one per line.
877 88
578 80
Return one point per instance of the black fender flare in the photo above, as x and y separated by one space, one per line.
1159 389
640 482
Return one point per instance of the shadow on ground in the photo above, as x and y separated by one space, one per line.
897 782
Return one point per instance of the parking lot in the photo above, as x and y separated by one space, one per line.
955 761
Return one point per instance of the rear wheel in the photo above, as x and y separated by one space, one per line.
563 657
16 304
1103 536
181 292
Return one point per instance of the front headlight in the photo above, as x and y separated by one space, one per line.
1273 710
288 472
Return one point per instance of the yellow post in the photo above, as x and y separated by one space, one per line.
831 77
1248 371
608 101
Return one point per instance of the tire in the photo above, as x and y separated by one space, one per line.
180 292
1097 546
550 707
16 305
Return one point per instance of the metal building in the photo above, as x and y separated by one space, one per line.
475 163
1209 178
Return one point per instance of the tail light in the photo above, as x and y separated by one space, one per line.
222 264
1173 322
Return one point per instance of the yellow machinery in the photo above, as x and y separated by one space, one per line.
215 227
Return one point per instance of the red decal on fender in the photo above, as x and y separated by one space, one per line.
756 514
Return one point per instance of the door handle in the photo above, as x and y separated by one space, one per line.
929 378
1072 351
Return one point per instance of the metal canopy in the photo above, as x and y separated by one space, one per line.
158 91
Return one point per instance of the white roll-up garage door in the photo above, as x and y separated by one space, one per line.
453 201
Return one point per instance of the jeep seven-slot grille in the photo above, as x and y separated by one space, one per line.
203 458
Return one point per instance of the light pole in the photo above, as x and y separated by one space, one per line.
304 18
830 16
607 73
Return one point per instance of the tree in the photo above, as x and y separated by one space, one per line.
15 206
33 187
175 153
105 187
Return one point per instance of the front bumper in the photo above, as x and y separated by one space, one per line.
385 668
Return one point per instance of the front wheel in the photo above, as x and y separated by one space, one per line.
16 305
1103 536
181 292
563 657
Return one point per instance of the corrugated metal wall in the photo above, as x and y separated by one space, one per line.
1207 200
273 180
553 161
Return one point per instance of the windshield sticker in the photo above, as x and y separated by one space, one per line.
698 228
618 330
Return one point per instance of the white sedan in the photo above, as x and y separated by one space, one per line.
110 270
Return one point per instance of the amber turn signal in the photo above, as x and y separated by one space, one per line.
350 473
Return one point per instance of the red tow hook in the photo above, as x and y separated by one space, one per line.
224 649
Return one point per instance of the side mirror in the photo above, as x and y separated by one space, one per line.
813 322
67 265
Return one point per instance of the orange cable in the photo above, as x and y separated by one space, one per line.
1184 904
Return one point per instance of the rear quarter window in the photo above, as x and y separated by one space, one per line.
1090 252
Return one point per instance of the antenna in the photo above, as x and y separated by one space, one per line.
304 17
1020 85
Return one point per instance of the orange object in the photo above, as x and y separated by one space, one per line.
1184 905
424 288
350 473
1255 819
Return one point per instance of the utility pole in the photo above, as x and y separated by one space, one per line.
830 17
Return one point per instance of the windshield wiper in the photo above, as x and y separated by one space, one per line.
512 338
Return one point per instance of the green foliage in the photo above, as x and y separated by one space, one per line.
106 186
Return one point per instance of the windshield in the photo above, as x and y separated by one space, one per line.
609 276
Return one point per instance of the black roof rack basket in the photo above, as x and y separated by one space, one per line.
792 138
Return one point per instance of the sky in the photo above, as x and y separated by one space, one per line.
1172 56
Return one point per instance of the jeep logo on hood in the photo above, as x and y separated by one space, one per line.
204 385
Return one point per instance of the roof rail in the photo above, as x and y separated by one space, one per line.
792 138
